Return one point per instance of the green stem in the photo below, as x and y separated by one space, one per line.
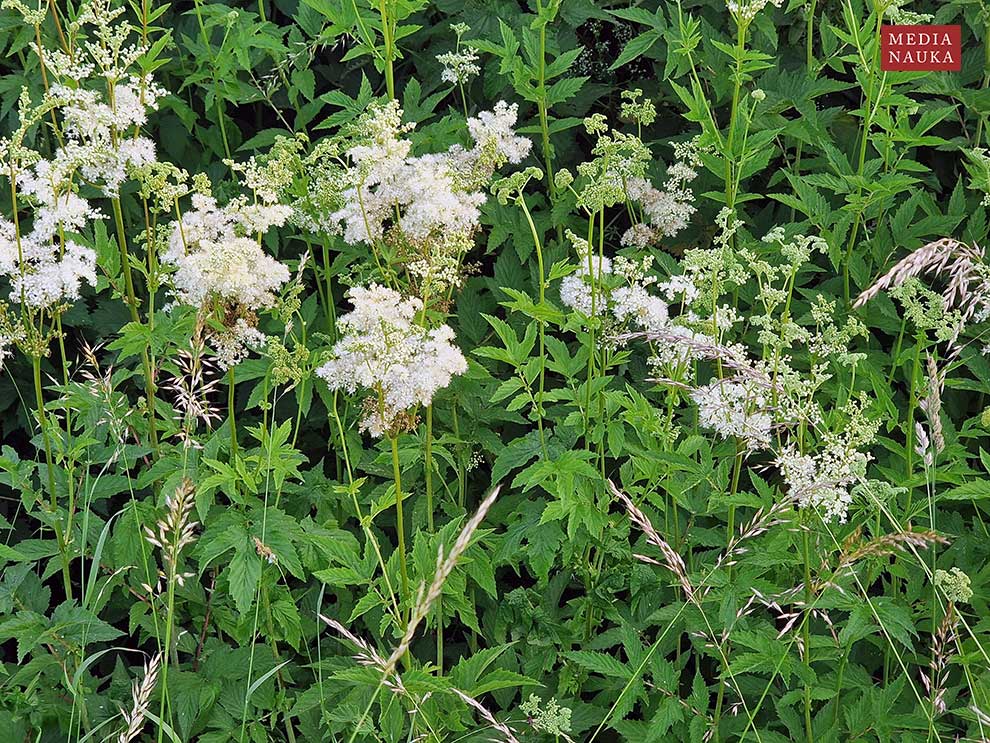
909 421
458 449
399 524
929 483
389 50
730 195
428 466
439 610
276 658
730 528
329 310
545 115
897 350
231 401
591 335
541 324
168 652
125 261
50 467
69 468
838 686
809 65
463 101
870 94
132 304
365 527
806 631
810 37
985 82
221 117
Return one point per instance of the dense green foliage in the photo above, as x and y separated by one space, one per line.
754 510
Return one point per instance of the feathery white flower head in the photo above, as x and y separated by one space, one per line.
233 344
734 408
93 124
630 305
383 351
459 66
97 100
214 257
493 131
234 270
681 285
744 11
435 194
822 481
681 346
40 273
636 305
667 211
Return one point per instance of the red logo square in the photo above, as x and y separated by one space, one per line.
921 48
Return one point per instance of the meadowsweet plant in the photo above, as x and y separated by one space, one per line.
401 364
401 370
220 268
383 351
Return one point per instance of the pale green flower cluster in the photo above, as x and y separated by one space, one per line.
954 585
547 717
926 310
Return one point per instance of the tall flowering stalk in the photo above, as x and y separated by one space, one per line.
426 597
383 351
460 65
617 175
221 269
141 692
417 213
511 188
546 11
45 270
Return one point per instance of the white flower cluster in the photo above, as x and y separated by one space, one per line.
575 289
216 259
384 351
97 130
744 11
681 346
822 481
57 208
98 141
432 194
735 408
495 138
233 344
634 304
42 273
102 103
440 269
8 343
619 158
44 270
459 66
680 285
630 305
668 211
901 17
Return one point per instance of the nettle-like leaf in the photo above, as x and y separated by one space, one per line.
243 574
28 627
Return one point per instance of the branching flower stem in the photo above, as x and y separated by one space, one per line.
540 322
